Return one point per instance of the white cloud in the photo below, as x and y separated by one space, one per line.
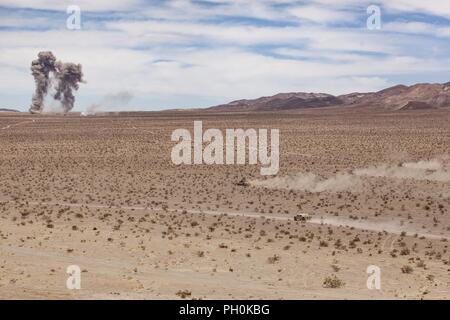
190 51
436 7
321 14
418 28
88 5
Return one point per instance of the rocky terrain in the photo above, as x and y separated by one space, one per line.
101 193
419 96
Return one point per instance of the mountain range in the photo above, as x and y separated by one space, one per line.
400 97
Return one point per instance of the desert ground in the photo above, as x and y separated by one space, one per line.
101 192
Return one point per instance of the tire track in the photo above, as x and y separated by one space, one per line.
16 124
388 227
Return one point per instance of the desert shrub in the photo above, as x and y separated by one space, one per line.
183 294
333 282
323 243
273 259
407 269
404 252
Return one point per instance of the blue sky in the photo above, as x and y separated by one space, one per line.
179 54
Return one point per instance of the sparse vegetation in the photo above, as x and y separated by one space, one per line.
103 192
333 282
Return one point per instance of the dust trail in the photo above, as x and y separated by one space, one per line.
48 72
111 102
432 170
392 227
311 182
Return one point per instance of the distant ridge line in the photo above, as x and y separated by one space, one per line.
399 97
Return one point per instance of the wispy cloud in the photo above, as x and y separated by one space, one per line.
194 53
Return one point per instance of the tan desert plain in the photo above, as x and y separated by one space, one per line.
359 193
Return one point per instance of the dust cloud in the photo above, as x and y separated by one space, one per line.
437 170
111 102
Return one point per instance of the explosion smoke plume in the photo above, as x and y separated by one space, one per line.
47 71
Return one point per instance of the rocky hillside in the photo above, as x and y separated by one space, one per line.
418 96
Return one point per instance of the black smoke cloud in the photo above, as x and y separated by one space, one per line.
64 77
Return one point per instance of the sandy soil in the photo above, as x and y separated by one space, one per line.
102 193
